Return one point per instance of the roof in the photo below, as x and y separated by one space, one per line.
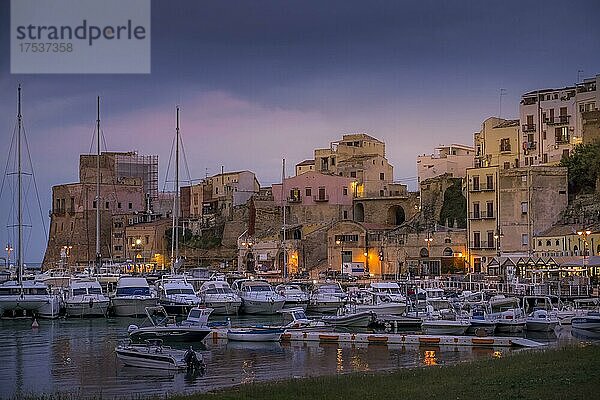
534 92
306 162
508 123
359 136
370 226
558 230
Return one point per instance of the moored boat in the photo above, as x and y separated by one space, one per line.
132 297
589 322
258 297
541 321
327 298
162 326
255 334
177 295
218 295
154 355
356 320
85 299
294 296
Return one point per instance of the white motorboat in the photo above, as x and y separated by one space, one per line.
296 319
132 297
163 326
436 298
294 296
509 321
327 298
481 323
219 296
541 321
85 299
177 295
258 297
255 334
588 323
154 355
391 289
378 302
361 319
444 322
28 298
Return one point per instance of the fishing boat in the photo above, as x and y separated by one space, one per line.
85 299
258 297
218 295
255 334
163 326
19 298
296 319
154 355
132 297
541 321
294 296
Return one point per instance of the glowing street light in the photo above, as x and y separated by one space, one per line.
584 235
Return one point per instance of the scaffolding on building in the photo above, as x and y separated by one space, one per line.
133 165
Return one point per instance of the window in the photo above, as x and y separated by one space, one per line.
345 191
476 210
476 183
524 207
489 209
548 242
345 214
505 144
490 239
561 135
524 239
94 204
346 238
506 165
381 193
147 239
545 158
489 181
106 205
381 176
308 192
476 240
352 174
119 205
557 243
130 206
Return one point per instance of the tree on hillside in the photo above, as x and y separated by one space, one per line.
454 208
584 168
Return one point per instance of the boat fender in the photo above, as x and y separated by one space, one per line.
132 328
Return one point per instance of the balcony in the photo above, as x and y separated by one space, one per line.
481 188
529 145
560 120
481 215
481 245
528 128
321 198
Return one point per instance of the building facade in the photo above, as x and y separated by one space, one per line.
451 159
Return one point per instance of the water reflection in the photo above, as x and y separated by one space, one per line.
78 356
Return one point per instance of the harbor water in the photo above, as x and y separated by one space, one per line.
77 356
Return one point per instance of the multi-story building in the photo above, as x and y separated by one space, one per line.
218 194
552 120
305 166
315 197
497 143
451 159
128 185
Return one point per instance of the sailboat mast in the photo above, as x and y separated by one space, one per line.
98 254
19 190
284 197
176 208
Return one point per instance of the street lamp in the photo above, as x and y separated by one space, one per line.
584 235
498 235
248 254
340 242
428 239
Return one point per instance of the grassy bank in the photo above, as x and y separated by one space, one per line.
568 373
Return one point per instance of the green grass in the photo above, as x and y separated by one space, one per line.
569 373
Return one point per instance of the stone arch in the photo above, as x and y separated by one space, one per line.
424 253
359 212
448 252
396 215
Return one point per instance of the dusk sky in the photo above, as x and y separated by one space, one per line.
258 81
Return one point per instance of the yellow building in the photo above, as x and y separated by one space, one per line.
497 143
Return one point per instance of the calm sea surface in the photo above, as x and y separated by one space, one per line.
78 356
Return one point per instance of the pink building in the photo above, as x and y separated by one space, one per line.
313 188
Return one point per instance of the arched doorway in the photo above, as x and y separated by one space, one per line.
359 212
396 215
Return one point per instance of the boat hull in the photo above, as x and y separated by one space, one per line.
132 306
325 307
224 307
254 335
510 327
541 326
590 323
149 358
296 304
87 308
170 334
43 306
445 327
478 326
265 307
358 320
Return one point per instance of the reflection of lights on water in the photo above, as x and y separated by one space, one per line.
248 374
339 361
358 364
430 358
497 354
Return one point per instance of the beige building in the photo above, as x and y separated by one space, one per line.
451 159
305 166
497 144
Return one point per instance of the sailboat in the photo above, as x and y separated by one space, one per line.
177 295
84 296
22 298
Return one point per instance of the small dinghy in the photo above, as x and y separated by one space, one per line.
357 320
154 355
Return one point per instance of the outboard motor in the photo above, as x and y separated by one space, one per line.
192 361
132 328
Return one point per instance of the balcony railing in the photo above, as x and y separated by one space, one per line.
529 145
481 215
295 199
528 128
482 245
560 120
322 198
481 188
